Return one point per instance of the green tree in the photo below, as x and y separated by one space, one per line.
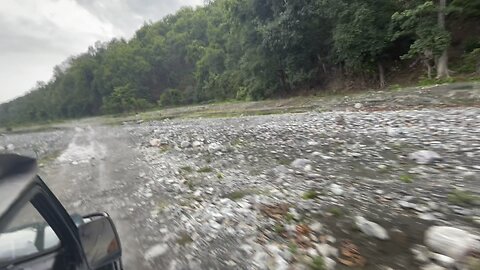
123 99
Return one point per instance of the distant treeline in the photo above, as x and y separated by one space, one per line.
251 50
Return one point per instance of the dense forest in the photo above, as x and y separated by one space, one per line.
257 49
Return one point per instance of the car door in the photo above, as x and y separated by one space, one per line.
38 234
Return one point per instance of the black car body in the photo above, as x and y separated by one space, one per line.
36 232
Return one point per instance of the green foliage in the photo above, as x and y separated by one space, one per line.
406 178
171 97
461 197
420 22
239 49
471 62
205 170
310 195
123 99
336 211
318 263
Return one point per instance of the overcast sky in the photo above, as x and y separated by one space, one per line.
36 35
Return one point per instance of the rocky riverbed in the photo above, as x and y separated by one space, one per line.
338 189
319 190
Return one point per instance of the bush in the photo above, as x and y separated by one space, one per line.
171 97
124 99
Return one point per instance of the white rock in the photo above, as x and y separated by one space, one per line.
329 263
371 228
336 189
300 163
450 241
155 142
316 227
10 147
443 260
425 157
358 106
420 253
185 144
197 193
197 144
308 168
432 266
2 148
156 251
214 147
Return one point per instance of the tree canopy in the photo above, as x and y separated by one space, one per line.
243 49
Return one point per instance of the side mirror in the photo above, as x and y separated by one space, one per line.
100 240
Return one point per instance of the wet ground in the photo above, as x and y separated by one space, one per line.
276 191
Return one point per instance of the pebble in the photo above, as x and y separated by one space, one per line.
371 228
432 266
300 163
425 157
451 241
316 227
336 189
156 251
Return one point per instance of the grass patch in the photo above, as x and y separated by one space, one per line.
50 157
293 248
318 263
289 217
220 176
460 197
184 239
164 148
187 169
406 178
279 228
336 211
310 195
284 161
239 194
190 184
205 170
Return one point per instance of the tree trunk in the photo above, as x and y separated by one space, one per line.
283 80
381 75
429 68
442 63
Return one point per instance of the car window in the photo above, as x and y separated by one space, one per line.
27 234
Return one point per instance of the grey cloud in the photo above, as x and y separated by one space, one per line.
129 15
32 43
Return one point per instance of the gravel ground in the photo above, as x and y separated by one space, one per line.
320 190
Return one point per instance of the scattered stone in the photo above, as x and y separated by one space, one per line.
156 251
330 263
300 163
425 157
185 144
432 266
316 227
214 147
450 241
427 216
336 189
197 144
358 106
10 147
442 260
155 142
371 228
420 253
